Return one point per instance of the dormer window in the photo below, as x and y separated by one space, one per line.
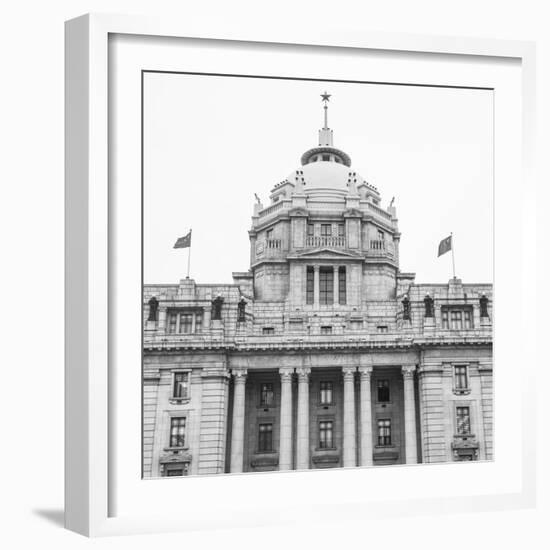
326 157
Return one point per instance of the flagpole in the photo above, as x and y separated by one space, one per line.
189 254
453 254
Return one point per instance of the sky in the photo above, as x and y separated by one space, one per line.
211 142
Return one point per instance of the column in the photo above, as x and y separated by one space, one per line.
302 425
349 416
366 415
237 429
410 414
316 286
335 284
285 443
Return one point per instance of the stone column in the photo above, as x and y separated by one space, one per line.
335 284
349 416
366 416
237 429
410 414
302 425
316 286
285 444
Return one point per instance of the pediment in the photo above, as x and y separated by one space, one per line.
326 253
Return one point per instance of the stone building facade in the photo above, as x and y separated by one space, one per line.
323 354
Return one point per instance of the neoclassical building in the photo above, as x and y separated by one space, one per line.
324 353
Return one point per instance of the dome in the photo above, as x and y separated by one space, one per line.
322 176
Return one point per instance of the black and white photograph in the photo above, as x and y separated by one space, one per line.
317 274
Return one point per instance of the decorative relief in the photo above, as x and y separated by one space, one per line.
408 370
303 373
286 374
239 374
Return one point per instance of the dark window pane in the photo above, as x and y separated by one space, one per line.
265 438
325 434
326 285
326 229
383 389
181 384
461 378
177 432
309 285
266 394
341 230
310 229
342 286
384 432
463 420
326 393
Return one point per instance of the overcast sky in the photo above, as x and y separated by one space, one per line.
211 142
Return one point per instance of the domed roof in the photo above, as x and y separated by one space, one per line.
326 175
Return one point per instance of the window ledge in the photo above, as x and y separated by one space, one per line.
175 449
179 400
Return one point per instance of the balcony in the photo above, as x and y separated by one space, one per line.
379 247
326 241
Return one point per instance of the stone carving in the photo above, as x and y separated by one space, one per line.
406 308
153 309
217 308
483 303
428 306
241 310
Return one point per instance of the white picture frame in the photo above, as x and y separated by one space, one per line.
90 437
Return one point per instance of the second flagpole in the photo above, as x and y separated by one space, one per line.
453 254
189 254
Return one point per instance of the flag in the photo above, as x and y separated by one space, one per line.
184 242
445 245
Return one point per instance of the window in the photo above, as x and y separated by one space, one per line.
269 234
174 472
384 432
326 230
326 330
265 438
342 286
380 235
177 431
181 385
341 230
325 393
463 420
383 391
309 285
382 328
461 377
456 318
310 230
326 157
326 285
325 434
184 322
268 330
266 394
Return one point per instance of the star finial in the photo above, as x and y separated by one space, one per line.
325 96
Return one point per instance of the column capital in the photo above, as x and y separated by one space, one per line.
365 372
303 373
316 267
348 372
408 370
286 373
239 374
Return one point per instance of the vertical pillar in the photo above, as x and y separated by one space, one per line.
335 284
366 415
316 286
237 429
349 416
302 425
410 414
285 443
162 319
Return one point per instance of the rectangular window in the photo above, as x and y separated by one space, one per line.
198 322
456 320
266 394
310 230
467 319
342 286
382 328
172 323
461 377
445 319
325 434
269 234
380 235
463 420
186 323
384 432
326 230
383 391
326 286
265 438
177 431
181 385
326 330
309 285
268 330
325 396
341 230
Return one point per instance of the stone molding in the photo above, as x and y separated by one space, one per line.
303 373
286 373
239 374
349 372
408 370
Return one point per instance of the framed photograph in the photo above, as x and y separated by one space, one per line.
289 278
